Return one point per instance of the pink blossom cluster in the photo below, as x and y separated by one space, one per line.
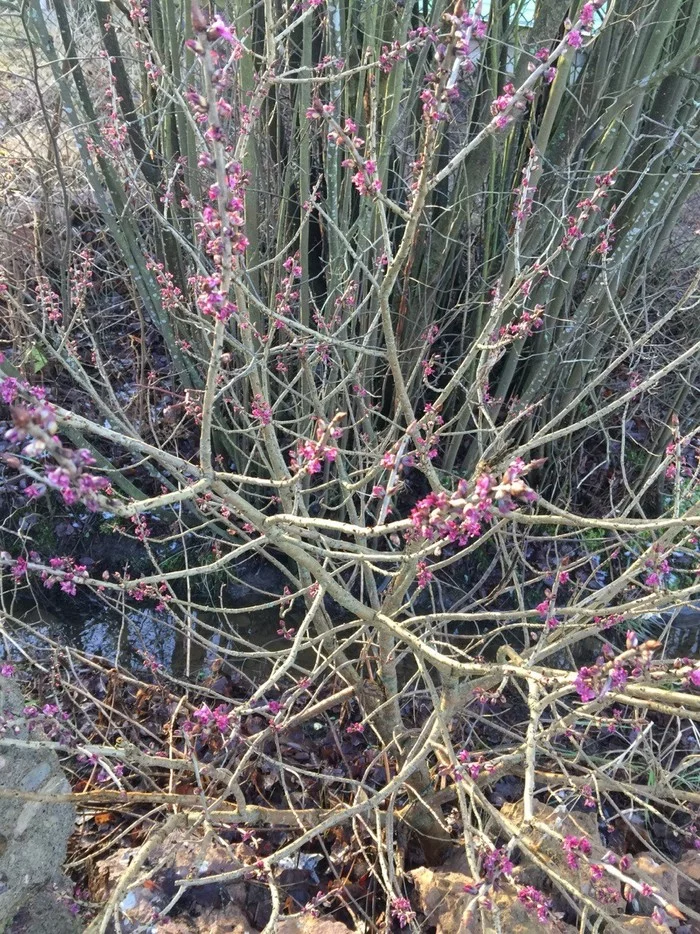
69 574
287 297
681 455
48 301
497 863
535 903
546 611
471 766
309 455
390 56
50 719
506 102
426 435
81 277
612 671
461 515
525 191
574 848
522 327
466 27
218 718
432 111
35 429
260 409
222 226
112 129
424 576
691 678
587 207
170 294
211 31
542 55
606 238
587 13
138 11
212 229
658 570
401 911
365 180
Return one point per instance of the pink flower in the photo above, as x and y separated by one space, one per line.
586 15
219 30
574 39
7 670
8 389
584 683
205 715
425 575
261 410
572 846
401 911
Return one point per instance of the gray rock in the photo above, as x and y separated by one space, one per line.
33 834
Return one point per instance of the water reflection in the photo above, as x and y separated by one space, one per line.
250 638
132 638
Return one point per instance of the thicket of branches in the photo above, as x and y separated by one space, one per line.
384 297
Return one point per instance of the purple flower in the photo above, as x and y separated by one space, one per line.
584 683
572 846
7 670
68 586
618 677
8 389
219 30
586 15
574 39
205 715
401 911
59 477
221 718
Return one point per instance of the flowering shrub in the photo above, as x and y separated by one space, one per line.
344 412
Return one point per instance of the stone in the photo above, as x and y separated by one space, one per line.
661 876
688 876
642 925
310 925
548 849
441 897
34 834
